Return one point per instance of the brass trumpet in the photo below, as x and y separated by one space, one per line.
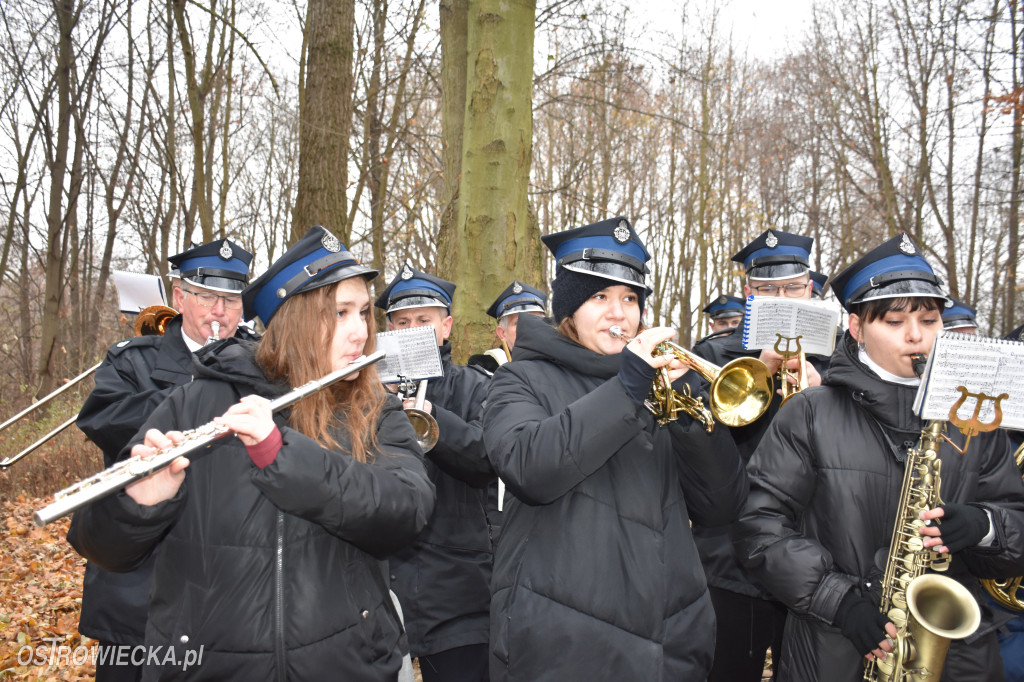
423 423
740 393
791 388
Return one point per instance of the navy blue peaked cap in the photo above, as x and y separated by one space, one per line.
412 288
958 314
776 255
818 280
896 269
221 265
610 249
316 260
725 306
518 298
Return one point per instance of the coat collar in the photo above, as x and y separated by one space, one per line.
538 340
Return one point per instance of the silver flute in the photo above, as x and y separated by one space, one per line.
129 470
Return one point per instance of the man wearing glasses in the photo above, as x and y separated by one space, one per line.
750 621
133 380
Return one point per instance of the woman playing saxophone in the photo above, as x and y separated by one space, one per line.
826 485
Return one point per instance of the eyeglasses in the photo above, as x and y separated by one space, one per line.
791 290
210 300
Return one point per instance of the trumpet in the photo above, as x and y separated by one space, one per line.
151 322
127 471
799 383
740 393
422 421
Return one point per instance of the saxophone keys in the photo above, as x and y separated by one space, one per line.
898 615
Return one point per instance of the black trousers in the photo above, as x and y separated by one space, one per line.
461 664
746 628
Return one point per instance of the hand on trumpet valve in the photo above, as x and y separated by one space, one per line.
251 419
773 361
163 484
647 344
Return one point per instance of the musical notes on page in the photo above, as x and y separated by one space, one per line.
767 318
979 364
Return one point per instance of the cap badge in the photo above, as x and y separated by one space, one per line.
771 241
949 303
517 288
330 242
407 272
225 250
621 232
722 300
907 246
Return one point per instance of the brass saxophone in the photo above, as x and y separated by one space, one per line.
928 610
1009 593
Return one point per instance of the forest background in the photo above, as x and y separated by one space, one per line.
452 134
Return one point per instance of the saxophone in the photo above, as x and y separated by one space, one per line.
928 610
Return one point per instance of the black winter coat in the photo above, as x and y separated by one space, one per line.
443 579
825 485
596 576
276 573
721 564
135 377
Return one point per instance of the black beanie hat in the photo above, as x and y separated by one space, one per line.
571 289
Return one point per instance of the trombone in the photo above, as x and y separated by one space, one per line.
740 393
152 321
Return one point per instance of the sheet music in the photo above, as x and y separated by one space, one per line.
981 365
768 317
413 354
136 291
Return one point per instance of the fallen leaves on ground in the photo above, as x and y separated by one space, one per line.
40 599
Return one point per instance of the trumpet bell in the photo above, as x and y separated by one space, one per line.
741 392
425 426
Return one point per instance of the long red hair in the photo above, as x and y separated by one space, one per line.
294 349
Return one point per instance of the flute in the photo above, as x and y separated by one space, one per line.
129 470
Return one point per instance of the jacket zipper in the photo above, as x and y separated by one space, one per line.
279 650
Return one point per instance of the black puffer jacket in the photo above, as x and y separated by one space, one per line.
443 579
825 485
714 544
135 377
596 576
273 574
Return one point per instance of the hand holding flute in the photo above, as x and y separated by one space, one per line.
251 419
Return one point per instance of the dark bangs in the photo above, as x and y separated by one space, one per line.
869 311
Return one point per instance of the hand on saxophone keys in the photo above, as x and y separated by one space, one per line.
954 527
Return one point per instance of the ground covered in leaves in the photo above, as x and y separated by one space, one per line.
40 599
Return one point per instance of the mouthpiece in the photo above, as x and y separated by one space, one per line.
919 361
615 331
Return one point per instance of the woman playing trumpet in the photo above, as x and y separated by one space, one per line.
268 549
596 575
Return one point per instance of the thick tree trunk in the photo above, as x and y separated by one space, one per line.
493 238
326 120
